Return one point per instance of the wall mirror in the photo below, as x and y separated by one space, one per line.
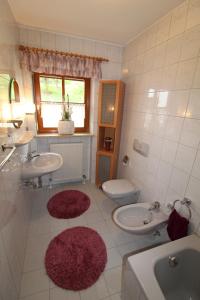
4 87
9 95
9 88
14 95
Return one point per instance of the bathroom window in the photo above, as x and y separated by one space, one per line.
52 91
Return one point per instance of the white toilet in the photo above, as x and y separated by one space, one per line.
121 190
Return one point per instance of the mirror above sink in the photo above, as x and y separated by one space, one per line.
14 95
10 106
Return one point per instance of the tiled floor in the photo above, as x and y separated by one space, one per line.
36 285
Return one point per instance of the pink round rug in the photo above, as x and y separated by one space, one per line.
76 258
68 204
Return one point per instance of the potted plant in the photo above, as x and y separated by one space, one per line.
66 125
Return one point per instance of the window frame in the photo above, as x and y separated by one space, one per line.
37 100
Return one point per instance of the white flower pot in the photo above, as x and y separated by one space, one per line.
66 127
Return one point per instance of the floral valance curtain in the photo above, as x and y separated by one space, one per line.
59 63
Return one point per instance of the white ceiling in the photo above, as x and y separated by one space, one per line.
115 21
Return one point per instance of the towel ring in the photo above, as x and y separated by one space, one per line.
187 202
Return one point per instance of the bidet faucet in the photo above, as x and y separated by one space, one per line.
30 155
154 206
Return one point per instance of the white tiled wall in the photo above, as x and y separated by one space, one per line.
14 202
61 42
161 69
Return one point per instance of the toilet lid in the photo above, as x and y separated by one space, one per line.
118 187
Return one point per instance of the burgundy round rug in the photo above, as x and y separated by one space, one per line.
68 204
76 258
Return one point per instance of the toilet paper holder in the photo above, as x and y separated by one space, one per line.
125 160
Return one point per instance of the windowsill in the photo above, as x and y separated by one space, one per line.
81 134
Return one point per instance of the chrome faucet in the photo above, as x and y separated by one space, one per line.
5 147
172 261
30 155
154 206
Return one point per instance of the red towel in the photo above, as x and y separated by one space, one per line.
177 226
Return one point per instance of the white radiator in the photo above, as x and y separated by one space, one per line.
72 168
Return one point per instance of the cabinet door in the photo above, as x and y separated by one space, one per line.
104 163
108 103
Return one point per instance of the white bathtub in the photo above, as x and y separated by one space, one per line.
160 278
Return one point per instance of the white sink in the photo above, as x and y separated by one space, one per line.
42 164
138 219
24 139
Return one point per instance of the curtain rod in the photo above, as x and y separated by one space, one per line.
21 47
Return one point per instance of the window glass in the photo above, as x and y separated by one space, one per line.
75 90
51 89
51 114
50 95
78 114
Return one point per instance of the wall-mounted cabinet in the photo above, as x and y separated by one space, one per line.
111 94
